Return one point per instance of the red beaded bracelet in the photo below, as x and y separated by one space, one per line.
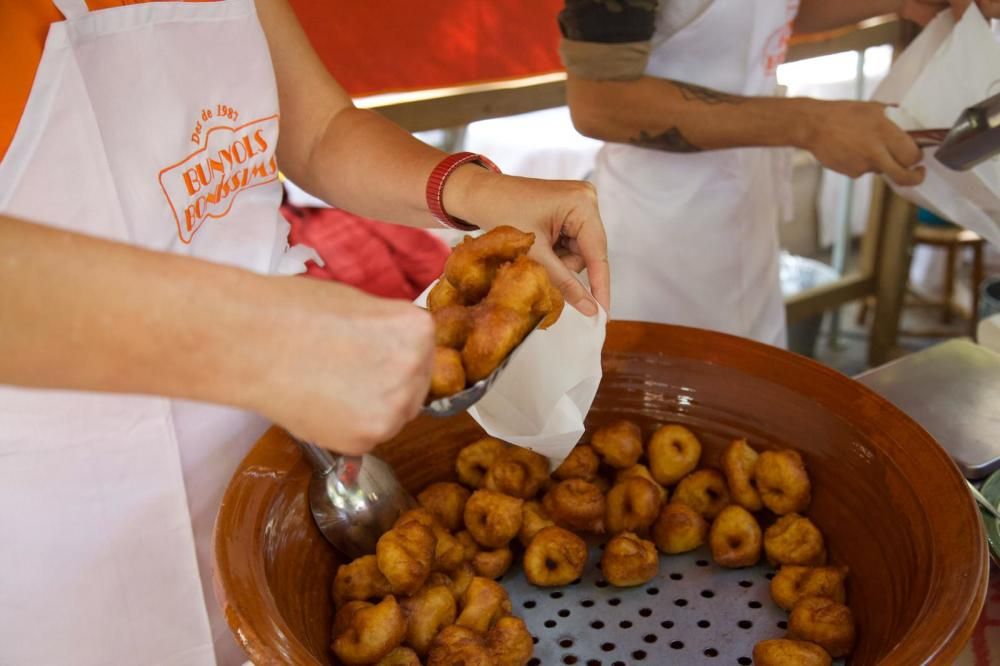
437 179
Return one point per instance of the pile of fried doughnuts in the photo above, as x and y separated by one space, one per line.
490 297
429 594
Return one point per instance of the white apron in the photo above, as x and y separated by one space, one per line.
154 124
693 237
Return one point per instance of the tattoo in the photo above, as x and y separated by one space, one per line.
671 141
693 93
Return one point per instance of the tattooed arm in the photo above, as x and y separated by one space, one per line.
610 98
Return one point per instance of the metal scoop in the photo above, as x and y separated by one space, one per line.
973 139
354 499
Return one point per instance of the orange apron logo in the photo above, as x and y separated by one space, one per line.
206 182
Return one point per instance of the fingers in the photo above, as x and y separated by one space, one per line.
565 281
895 171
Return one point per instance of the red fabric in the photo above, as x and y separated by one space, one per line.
374 46
382 259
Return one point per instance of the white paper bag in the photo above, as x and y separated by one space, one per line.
949 67
542 397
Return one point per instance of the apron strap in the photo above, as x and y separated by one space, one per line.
72 9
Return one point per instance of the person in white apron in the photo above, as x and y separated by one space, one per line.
138 219
692 230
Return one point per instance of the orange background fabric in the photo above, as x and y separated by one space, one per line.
370 46
374 46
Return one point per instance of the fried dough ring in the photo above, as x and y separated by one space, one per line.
628 560
458 645
554 557
576 504
492 563
785 652
533 519
523 286
704 490
509 642
429 610
475 459
632 505
735 538
405 555
473 263
642 472
401 656
446 501
364 633
673 453
679 529
824 622
495 332
443 294
782 481
794 582
452 324
492 518
360 580
619 443
794 539
447 374
517 472
484 602
581 463
738 461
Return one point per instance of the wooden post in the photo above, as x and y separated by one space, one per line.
891 275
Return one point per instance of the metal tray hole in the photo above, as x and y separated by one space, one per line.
639 655
702 563
652 591
569 659
625 624
783 625
566 643
530 603
680 602
650 638
556 595
711 652
564 612
704 624
534 661
746 583
577 581
614 601
645 612
745 624
755 605
597 624
667 624
601 583
676 576
769 575
534 639
549 624
744 661
677 645
593 662
708 594
587 603
607 647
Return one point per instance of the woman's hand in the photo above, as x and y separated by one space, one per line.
562 214
340 369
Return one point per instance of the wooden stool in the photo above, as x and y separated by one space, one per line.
953 239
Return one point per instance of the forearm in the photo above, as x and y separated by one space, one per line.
678 117
820 15
84 313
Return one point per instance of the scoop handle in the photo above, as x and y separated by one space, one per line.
928 138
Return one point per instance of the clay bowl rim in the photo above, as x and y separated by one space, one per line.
275 454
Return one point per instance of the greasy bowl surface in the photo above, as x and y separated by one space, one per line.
892 504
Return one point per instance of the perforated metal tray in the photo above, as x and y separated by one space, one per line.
693 612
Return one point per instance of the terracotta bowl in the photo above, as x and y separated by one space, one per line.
890 501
